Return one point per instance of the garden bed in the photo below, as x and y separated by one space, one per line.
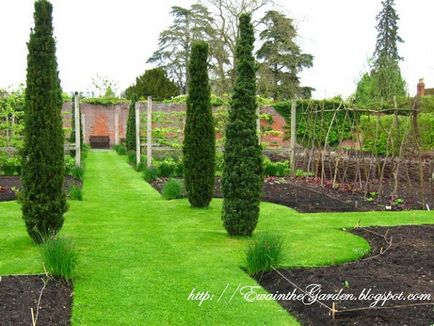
18 294
7 184
406 266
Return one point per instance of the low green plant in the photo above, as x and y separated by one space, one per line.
275 169
120 149
264 253
77 172
173 189
151 174
75 193
59 258
302 173
170 167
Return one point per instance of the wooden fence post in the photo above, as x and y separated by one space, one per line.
149 133
77 130
138 156
293 136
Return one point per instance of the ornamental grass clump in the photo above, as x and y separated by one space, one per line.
59 258
264 253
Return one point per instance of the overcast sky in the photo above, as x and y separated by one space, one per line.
114 38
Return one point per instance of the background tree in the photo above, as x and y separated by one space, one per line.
385 80
199 141
387 74
103 86
131 126
226 30
280 57
242 174
153 82
175 42
44 200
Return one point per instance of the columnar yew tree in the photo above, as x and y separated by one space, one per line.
242 174
199 140
44 200
131 126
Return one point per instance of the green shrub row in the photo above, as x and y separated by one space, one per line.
376 130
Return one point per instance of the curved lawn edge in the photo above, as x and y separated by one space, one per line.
136 248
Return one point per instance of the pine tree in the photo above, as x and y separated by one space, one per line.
44 200
131 126
242 174
199 140
386 73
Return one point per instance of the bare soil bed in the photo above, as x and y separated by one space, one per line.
7 184
307 195
20 294
406 265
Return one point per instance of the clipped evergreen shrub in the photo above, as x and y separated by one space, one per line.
199 139
242 177
43 197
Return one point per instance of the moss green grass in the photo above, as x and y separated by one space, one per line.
140 256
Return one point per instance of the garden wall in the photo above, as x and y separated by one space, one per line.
111 120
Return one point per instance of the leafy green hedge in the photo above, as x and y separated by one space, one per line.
321 120
375 134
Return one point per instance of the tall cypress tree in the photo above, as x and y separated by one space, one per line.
44 200
131 126
199 140
386 72
242 174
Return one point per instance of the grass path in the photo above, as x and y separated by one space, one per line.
141 256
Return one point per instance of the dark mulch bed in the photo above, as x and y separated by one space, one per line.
304 197
20 293
407 266
8 183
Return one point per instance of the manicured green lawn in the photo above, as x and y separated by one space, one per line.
141 256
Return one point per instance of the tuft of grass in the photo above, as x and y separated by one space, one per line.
75 193
59 258
173 189
151 174
77 172
263 253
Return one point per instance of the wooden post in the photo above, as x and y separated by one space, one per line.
149 133
258 124
83 126
138 156
293 136
116 126
77 130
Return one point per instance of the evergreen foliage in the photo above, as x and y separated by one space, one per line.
242 178
131 126
155 83
199 140
281 59
43 197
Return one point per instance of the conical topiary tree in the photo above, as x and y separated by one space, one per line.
131 126
199 135
43 201
242 178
